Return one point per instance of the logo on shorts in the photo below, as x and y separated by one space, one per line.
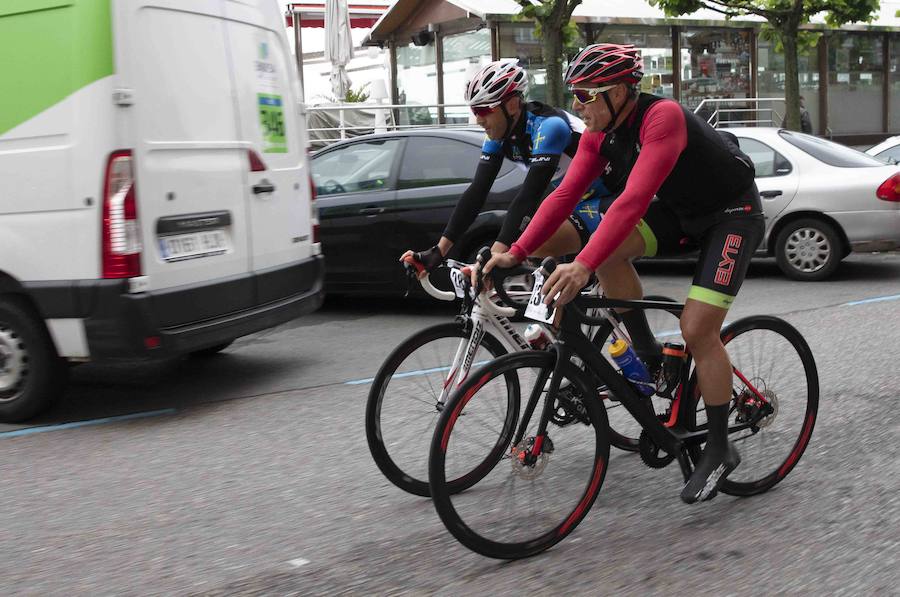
743 208
726 266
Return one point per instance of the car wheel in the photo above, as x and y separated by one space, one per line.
808 249
32 376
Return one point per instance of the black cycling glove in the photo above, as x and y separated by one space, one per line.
430 258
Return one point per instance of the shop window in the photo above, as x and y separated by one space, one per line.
855 78
715 64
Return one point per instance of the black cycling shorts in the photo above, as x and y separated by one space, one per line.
727 239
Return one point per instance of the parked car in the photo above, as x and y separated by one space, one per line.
379 195
156 197
821 200
382 194
887 151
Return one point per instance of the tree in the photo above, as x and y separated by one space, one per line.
556 32
785 17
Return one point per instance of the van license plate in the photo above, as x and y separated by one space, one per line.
195 244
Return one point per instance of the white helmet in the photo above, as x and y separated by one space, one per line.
496 81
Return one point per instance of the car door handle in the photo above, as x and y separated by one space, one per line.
371 211
769 194
263 187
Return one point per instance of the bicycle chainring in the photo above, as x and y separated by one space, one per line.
569 408
651 454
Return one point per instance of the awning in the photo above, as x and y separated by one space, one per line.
615 11
312 14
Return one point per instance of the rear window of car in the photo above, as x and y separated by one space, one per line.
891 156
829 152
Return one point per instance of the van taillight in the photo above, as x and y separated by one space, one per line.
890 189
314 211
121 238
256 163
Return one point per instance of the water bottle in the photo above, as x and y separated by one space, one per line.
536 337
673 360
631 366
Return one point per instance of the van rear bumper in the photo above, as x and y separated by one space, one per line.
151 325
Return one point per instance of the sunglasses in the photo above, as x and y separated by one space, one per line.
586 96
483 110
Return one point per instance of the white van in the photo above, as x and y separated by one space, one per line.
155 196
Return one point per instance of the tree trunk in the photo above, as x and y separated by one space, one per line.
791 78
552 38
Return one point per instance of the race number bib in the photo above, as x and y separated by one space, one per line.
536 308
459 282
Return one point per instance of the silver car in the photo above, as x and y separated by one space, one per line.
821 200
887 151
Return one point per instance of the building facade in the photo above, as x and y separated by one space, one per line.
849 77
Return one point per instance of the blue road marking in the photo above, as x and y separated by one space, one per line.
879 299
89 422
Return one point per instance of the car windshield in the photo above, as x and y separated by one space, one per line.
829 152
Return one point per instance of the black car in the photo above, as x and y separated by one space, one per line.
379 195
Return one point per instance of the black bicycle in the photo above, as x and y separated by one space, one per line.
413 384
536 489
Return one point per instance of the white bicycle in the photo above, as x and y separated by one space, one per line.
414 382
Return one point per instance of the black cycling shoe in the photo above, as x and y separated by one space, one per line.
714 466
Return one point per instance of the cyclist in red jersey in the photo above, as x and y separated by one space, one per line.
647 147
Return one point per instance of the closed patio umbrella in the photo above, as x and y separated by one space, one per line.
339 45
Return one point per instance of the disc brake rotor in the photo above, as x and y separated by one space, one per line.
521 451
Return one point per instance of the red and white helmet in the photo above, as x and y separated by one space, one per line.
495 82
604 64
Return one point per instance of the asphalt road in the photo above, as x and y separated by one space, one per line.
248 473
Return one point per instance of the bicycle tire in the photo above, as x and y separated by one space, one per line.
450 439
400 473
760 364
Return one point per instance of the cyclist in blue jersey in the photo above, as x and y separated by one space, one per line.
540 137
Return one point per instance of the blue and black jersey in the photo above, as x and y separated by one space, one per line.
543 141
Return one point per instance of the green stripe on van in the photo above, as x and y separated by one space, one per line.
51 49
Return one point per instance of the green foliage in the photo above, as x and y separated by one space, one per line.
806 40
778 12
357 96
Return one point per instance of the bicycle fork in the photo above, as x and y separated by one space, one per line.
464 357
530 456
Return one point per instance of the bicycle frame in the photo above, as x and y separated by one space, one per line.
671 436
485 313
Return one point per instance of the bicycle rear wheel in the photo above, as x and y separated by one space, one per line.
519 507
774 358
403 403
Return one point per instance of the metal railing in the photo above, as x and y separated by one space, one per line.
749 111
386 117
746 111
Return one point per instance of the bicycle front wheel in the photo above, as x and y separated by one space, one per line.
771 358
404 400
521 505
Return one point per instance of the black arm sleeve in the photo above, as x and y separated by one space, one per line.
540 173
472 200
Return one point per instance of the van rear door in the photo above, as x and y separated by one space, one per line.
278 198
191 159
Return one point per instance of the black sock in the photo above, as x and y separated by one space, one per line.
717 424
645 344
